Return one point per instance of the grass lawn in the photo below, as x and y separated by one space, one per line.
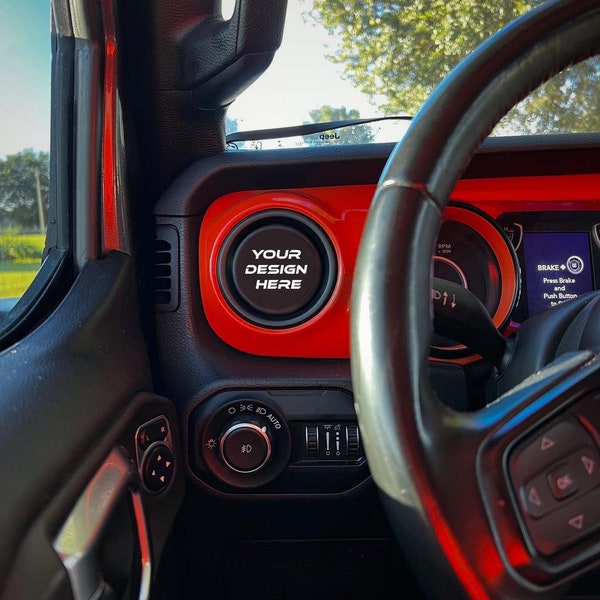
37 240
14 283
15 277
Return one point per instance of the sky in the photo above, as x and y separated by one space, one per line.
299 79
24 75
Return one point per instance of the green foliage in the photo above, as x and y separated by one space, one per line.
22 177
358 134
330 113
396 52
19 248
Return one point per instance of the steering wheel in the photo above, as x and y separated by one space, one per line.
470 495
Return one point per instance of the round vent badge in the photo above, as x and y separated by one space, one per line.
277 268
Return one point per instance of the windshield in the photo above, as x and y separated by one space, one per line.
364 58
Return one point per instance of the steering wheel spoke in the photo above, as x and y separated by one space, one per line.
539 469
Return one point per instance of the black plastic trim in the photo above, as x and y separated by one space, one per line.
232 171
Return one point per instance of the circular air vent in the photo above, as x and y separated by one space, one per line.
277 268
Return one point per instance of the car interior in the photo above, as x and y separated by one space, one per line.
321 371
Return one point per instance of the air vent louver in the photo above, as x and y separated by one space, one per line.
166 269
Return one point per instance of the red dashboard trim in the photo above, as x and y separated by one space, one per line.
341 212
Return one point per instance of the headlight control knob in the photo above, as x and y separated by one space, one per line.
244 443
245 446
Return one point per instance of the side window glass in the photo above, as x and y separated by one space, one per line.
25 75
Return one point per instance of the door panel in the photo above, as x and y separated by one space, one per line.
72 390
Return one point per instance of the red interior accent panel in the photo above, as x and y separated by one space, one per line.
340 213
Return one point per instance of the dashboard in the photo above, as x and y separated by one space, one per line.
275 266
255 253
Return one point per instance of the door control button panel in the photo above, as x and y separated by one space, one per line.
155 458
156 431
158 468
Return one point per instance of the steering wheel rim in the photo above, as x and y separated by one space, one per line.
413 443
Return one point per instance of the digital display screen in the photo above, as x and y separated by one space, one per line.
558 267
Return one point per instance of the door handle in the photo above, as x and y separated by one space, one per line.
77 542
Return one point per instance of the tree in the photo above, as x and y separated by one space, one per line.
397 51
24 187
354 134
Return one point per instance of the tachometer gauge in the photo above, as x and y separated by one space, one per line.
475 253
